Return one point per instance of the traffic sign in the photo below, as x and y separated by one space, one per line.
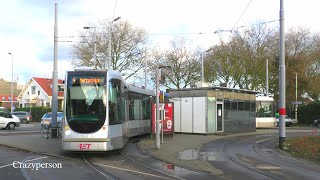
296 102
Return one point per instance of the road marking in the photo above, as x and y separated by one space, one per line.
268 167
19 132
24 161
36 159
263 140
138 172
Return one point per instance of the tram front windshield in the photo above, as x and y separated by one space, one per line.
86 102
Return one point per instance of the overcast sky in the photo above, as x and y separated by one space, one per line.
27 25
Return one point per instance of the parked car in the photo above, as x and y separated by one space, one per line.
47 118
288 121
7 120
25 117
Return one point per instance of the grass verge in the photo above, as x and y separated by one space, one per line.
307 147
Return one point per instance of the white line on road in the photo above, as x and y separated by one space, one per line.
24 161
19 132
268 167
263 140
138 172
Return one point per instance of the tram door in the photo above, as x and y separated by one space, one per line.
219 118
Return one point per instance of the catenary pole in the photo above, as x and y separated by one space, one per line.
282 82
267 79
55 76
157 109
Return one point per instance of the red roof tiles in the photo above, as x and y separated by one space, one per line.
45 85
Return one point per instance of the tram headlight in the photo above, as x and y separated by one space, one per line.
67 132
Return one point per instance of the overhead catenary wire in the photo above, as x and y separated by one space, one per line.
201 33
242 14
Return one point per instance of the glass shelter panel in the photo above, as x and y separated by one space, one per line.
238 115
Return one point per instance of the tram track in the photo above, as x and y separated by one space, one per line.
234 160
97 166
103 173
152 169
259 152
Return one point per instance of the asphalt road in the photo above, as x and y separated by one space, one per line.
106 165
23 128
257 157
11 169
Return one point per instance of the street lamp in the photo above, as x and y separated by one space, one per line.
94 45
159 67
109 44
11 81
202 64
223 30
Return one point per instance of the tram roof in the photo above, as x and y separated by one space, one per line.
141 91
216 88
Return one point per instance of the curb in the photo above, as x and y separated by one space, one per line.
40 153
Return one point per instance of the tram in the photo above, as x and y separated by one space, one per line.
265 115
102 112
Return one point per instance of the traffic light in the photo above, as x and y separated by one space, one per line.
162 79
161 97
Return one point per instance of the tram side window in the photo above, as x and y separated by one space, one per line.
265 109
146 108
139 107
135 109
115 101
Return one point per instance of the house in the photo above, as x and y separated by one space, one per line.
38 92
5 93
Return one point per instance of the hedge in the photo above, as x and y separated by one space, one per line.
308 113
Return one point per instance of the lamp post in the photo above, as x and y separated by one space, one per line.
202 64
94 45
157 105
296 105
109 43
267 78
11 81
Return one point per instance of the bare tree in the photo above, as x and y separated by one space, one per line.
127 47
184 62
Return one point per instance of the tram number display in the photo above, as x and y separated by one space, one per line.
84 146
88 80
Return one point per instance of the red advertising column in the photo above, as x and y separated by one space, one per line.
167 123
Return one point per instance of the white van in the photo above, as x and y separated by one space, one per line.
7 120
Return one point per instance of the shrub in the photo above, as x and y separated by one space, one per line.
308 113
